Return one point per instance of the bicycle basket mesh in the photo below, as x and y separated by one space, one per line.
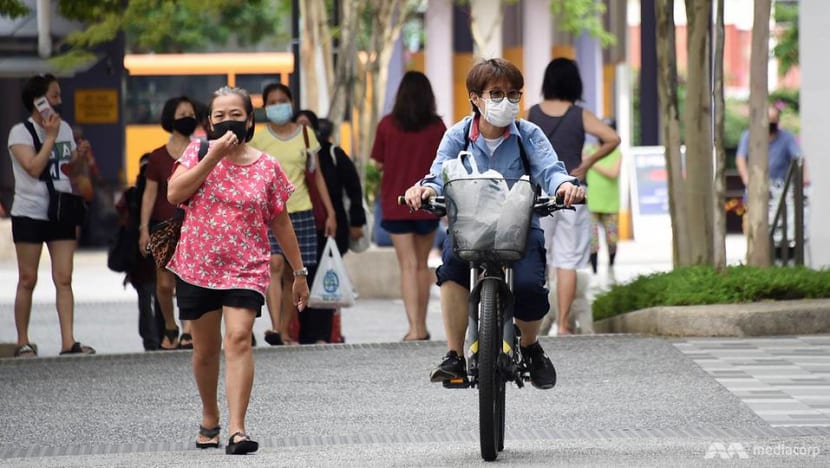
489 218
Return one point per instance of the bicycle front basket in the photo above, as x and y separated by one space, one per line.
489 218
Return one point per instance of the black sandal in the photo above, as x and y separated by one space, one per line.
189 338
210 434
273 338
242 446
78 348
173 336
25 351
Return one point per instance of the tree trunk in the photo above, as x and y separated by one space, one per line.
667 90
720 151
388 18
308 54
345 70
698 188
758 245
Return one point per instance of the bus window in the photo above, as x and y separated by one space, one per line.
146 95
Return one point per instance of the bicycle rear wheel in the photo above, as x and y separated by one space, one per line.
490 381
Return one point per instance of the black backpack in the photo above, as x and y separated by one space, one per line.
123 254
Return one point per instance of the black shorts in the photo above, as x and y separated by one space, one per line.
195 301
37 231
405 226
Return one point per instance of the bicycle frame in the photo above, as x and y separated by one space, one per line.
492 341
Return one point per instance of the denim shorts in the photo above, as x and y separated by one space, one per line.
406 226
529 281
195 301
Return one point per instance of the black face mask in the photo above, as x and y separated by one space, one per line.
185 125
773 127
58 108
238 127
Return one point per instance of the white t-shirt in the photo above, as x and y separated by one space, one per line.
493 143
31 196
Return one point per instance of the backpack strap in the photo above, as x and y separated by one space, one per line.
204 146
44 176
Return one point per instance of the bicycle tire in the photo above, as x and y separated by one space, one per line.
489 378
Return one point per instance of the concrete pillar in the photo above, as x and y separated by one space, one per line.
487 27
538 40
814 35
589 59
395 70
438 55
649 104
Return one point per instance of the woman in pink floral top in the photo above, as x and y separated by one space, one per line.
235 194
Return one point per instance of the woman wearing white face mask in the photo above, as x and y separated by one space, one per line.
513 148
295 147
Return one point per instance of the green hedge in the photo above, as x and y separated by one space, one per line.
703 285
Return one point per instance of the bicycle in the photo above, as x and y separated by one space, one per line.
492 339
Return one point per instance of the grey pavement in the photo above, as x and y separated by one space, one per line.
621 399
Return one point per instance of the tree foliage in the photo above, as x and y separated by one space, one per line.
577 16
786 49
13 8
170 26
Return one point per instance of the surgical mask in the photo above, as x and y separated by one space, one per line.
238 127
185 125
501 114
279 113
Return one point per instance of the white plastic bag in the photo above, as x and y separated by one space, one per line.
331 287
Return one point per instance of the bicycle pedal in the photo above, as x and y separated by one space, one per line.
457 383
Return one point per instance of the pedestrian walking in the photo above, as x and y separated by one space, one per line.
236 193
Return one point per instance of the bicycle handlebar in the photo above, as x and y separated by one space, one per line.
543 206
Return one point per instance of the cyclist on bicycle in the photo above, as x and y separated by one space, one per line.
513 148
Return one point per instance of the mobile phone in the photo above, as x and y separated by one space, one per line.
43 107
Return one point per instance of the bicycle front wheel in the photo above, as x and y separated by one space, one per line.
490 381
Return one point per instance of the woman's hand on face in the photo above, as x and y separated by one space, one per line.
52 125
570 193
300 292
225 143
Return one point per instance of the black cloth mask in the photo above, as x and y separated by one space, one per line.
773 127
185 125
58 108
238 127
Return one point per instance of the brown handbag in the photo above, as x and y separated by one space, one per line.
165 236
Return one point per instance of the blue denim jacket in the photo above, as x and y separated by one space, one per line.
546 170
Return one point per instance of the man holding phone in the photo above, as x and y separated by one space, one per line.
41 148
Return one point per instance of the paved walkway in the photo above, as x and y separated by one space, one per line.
620 400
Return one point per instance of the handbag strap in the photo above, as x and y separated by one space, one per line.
204 146
44 176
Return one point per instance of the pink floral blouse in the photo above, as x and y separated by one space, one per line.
224 241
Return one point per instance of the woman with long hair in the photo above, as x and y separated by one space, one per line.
406 142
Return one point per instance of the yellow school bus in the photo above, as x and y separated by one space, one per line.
152 79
